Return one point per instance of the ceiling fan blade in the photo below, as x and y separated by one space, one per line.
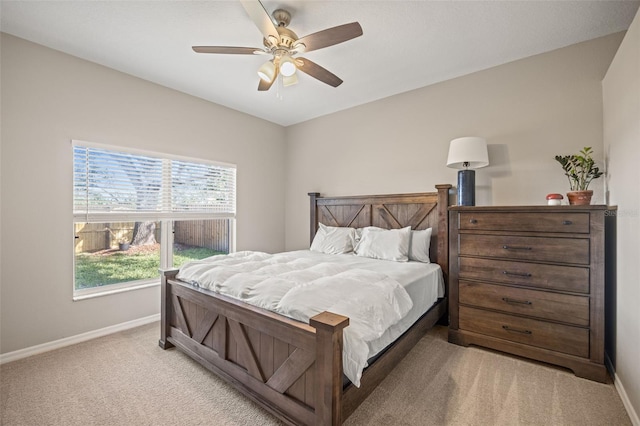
263 86
330 36
316 71
227 50
261 18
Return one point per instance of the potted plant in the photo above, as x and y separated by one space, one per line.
580 169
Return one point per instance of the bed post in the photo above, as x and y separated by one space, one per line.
328 386
165 306
443 228
313 214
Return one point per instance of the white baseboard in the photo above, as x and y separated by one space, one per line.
83 337
635 421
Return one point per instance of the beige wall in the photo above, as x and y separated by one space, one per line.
621 99
49 98
529 111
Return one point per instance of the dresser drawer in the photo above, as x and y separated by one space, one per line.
564 278
561 250
556 337
525 221
545 305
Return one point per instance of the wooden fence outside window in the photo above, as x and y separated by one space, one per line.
212 234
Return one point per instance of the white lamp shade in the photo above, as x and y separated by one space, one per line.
267 71
468 153
287 66
290 80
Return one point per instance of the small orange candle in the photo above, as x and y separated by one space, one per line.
554 199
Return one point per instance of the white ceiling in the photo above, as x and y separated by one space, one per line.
406 44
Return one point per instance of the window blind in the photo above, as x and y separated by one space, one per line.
112 183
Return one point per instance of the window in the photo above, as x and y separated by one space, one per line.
135 212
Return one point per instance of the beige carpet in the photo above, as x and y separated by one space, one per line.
126 379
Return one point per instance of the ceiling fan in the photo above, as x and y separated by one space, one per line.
283 45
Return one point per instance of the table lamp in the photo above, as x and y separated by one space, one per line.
466 154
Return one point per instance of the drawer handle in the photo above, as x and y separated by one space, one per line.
516 248
473 220
520 302
566 222
515 330
518 274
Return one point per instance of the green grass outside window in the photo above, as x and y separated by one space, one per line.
95 270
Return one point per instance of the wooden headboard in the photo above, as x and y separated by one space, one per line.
420 211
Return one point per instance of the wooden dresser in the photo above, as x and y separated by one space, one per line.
531 281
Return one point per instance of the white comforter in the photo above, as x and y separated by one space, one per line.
301 287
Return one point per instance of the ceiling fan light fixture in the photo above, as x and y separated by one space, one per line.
287 66
289 80
267 71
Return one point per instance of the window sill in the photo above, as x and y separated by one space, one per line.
108 290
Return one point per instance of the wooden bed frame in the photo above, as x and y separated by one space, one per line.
292 369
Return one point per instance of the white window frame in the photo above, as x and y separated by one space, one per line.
165 217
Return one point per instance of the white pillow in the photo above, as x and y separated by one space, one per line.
419 246
333 240
386 244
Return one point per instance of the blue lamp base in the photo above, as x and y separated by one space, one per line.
467 187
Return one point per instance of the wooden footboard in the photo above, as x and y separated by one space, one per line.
292 369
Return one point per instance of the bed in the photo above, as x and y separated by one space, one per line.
291 368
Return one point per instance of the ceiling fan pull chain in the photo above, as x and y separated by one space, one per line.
279 91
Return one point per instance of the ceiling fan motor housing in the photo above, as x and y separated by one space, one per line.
287 38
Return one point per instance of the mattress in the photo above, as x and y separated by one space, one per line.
425 285
381 298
